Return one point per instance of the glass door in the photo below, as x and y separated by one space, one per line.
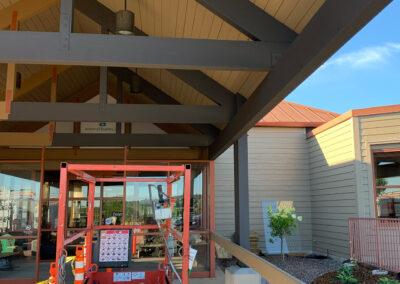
19 219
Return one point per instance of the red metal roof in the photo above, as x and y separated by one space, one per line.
287 114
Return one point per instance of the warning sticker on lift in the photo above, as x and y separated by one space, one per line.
138 275
122 277
128 276
192 256
114 245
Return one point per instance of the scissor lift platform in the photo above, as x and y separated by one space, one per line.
166 271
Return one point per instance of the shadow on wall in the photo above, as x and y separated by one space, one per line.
333 184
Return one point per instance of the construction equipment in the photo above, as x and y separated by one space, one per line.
114 244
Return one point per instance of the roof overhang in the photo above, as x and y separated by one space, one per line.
232 65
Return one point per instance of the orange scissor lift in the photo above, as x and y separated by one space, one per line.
166 271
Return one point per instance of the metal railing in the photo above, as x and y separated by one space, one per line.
376 242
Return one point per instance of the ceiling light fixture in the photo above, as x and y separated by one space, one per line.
124 22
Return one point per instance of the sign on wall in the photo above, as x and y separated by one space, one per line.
98 127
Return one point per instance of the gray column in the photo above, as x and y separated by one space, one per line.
66 23
242 226
103 86
119 101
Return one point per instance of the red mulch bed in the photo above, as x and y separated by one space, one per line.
361 273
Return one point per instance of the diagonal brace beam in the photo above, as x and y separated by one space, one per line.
331 27
250 20
159 97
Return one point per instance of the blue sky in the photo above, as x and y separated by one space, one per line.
365 72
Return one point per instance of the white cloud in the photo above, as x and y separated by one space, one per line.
366 57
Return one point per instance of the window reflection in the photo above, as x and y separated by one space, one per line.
138 206
18 258
387 184
50 214
77 213
112 212
113 189
19 198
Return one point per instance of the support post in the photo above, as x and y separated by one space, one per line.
186 225
168 221
11 70
53 99
103 86
61 215
119 101
89 234
212 218
39 228
66 22
242 227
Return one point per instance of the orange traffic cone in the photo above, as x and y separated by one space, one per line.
79 265
52 278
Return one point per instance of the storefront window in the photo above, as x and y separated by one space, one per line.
19 198
138 207
48 245
17 258
50 214
387 183
113 189
77 213
198 200
112 210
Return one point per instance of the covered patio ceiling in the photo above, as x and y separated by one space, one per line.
208 70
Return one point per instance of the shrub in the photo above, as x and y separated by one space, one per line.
345 275
282 223
385 280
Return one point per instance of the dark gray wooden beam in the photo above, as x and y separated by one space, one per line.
151 91
159 97
332 26
136 51
241 169
196 79
133 140
66 23
152 113
103 86
207 86
120 90
250 20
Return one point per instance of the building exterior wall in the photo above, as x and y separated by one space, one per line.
278 171
375 132
333 188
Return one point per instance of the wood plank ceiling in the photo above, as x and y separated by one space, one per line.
172 18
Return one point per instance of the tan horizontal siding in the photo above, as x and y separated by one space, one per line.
278 170
333 188
382 130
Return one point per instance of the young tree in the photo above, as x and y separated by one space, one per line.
282 223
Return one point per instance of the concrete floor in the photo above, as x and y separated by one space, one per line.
26 269
219 278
